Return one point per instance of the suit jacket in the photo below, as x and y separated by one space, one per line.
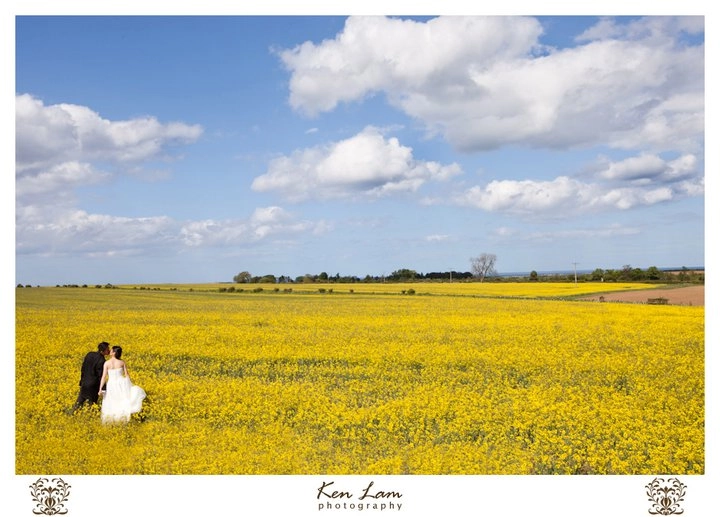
92 369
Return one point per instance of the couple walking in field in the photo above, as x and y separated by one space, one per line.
120 398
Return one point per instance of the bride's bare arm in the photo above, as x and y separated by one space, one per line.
104 377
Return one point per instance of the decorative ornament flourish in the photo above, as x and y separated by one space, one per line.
50 496
666 496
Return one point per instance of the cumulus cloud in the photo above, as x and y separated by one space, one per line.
263 223
485 82
659 27
640 180
647 169
376 54
48 135
56 178
367 164
527 196
58 151
76 231
97 235
561 196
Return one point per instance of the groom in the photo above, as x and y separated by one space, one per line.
91 375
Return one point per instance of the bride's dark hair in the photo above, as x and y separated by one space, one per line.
118 351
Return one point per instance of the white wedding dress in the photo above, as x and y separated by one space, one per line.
121 399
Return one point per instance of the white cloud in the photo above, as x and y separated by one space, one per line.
56 178
57 151
48 135
479 82
635 168
647 168
264 223
269 215
659 27
694 187
44 136
58 148
76 231
437 238
366 164
640 180
381 54
528 196
561 197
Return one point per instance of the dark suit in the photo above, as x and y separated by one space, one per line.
90 377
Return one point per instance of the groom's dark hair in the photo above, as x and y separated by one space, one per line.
103 346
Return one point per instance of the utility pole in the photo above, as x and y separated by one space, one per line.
575 271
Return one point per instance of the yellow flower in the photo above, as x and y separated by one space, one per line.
457 379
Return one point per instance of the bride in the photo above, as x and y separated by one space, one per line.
122 397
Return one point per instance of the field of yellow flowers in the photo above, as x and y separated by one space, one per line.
352 382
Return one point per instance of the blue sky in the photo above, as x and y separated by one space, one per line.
188 149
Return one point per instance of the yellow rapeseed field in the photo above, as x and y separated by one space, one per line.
364 382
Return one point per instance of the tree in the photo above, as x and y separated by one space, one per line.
483 265
653 273
626 273
242 278
403 275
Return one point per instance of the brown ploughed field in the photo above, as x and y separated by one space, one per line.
693 295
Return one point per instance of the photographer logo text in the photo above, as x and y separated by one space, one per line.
369 498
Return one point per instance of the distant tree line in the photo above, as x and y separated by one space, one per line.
651 274
400 275
483 269
625 274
